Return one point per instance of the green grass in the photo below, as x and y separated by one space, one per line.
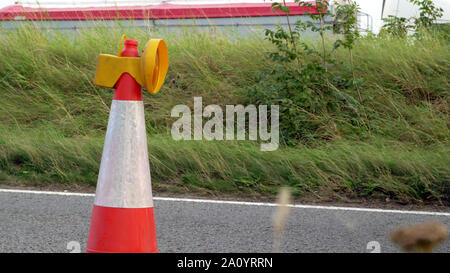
53 119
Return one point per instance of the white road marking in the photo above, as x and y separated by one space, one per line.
240 203
49 192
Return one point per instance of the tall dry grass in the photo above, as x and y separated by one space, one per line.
53 119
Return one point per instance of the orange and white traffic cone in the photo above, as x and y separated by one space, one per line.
123 214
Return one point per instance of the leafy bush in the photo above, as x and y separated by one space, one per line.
400 26
395 26
301 81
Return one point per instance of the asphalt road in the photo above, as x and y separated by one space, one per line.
32 222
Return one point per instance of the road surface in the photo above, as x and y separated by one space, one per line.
55 222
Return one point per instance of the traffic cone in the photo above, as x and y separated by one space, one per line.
123 214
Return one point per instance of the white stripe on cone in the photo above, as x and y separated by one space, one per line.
124 178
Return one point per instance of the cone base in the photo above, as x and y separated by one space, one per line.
122 230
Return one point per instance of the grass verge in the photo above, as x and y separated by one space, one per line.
53 119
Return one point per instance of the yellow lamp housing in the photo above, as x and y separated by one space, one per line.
149 70
154 65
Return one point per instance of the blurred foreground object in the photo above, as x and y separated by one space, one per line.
420 238
280 217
